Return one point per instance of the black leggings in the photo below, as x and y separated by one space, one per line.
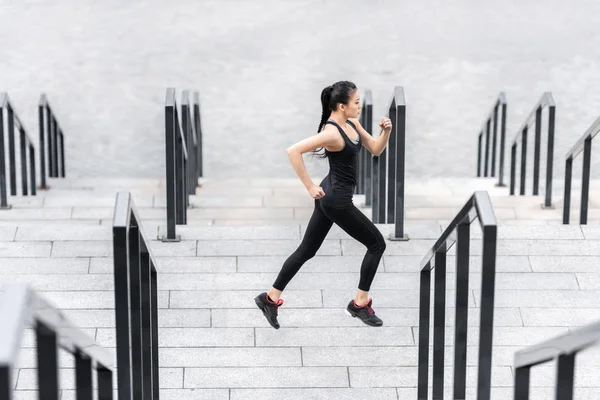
353 222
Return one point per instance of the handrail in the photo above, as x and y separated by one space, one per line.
198 126
27 154
177 159
388 173
396 168
493 117
563 349
479 206
136 305
188 126
546 101
365 160
50 129
583 144
22 306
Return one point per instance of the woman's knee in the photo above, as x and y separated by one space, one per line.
378 245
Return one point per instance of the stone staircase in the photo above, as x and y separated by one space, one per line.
215 344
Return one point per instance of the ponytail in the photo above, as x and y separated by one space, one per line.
325 100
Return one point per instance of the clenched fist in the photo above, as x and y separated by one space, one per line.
316 192
386 124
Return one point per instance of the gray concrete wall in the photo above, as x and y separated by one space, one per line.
260 66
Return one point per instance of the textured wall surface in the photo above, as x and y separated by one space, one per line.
260 66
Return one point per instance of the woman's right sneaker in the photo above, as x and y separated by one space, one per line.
365 313
269 308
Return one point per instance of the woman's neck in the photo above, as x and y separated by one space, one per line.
338 118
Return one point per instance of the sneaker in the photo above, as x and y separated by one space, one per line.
268 308
365 313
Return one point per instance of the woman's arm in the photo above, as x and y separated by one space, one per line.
375 145
327 137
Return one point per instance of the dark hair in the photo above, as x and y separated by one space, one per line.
331 96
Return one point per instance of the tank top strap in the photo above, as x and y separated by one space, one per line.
340 129
352 125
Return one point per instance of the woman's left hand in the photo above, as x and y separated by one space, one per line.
386 124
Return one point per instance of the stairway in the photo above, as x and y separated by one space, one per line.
215 344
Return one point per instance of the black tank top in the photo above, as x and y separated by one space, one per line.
341 180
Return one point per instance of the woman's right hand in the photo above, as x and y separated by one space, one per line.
316 192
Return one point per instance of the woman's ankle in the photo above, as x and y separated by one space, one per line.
274 295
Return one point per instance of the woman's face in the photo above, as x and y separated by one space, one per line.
352 109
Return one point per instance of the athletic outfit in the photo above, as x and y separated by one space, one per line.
335 207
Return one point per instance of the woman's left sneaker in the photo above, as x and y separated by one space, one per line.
365 313
269 308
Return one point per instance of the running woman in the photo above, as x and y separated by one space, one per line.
341 136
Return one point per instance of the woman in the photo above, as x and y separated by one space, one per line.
341 135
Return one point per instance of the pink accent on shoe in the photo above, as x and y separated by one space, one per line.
279 301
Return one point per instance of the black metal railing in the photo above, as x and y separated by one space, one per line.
547 101
388 175
194 147
491 127
479 207
27 154
563 349
365 159
583 144
177 159
198 127
52 143
21 307
136 305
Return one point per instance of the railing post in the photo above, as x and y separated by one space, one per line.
171 167
191 142
62 155
55 129
198 122
494 140
360 165
392 162
122 314
585 181
11 151
23 156
375 191
368 184
47 362
382 186
479 150
522 383
135 289
513 168
3 194
536 151
486 318
424 311
550 156
400 133
502 141
32 182
565 376
154 316
50 127
461 310
104 377
439 324
83 377
487 148
42 147
567 194
523 160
